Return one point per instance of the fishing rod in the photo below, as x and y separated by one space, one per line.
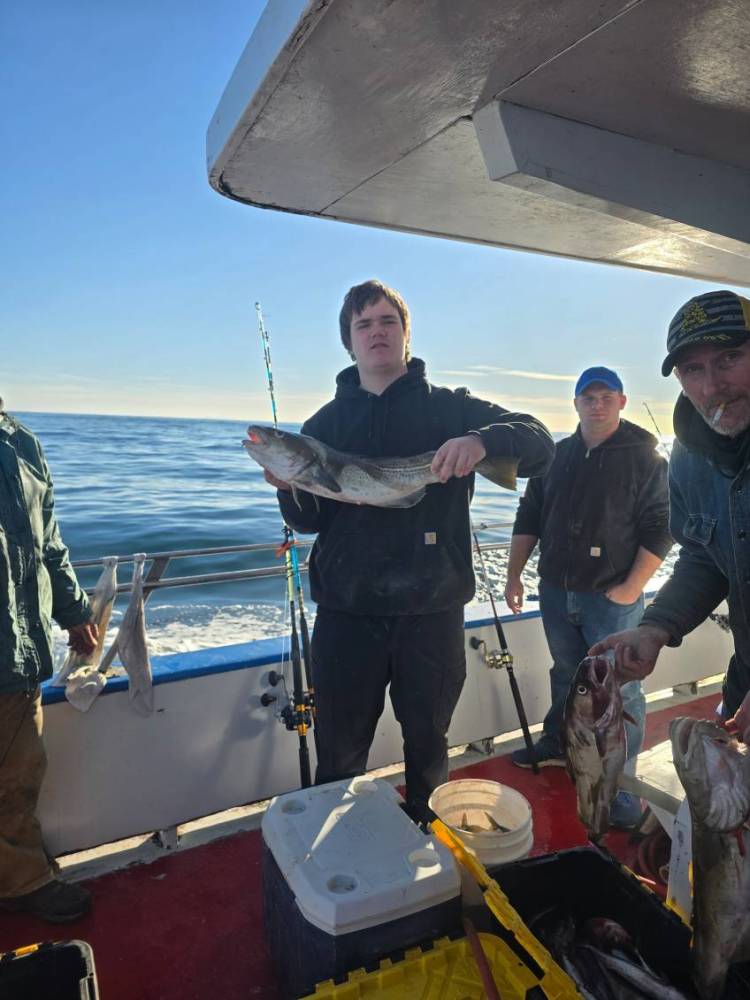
292 546
662 445
298 714
503 658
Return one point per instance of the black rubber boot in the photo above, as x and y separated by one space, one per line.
57 902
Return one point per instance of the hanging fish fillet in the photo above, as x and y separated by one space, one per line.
80 672
133 647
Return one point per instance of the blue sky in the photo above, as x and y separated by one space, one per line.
129 284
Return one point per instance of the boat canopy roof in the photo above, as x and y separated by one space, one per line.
616 132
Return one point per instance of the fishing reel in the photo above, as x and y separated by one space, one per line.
292 717
495 659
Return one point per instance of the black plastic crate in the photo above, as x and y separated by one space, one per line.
589 882
63 970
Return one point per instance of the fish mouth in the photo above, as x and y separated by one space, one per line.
713 772
259 435
680 731
599 670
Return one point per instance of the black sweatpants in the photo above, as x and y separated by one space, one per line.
354 658
736 686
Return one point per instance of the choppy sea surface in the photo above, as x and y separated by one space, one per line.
148 484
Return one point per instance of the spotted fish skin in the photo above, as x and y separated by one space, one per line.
595 742
308 464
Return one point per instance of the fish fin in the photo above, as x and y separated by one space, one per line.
501 471
629 718
411 500
601 741
320 475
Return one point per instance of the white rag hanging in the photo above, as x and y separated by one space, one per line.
80 672
132 646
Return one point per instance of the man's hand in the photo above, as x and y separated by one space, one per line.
82 638
458 457
635 650
278 483
514 594
622 593
739 724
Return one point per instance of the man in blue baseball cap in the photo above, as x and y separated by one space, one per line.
600 515
708 347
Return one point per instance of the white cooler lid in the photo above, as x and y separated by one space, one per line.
353 858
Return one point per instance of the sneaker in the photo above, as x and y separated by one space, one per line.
58 902
547 753
625 811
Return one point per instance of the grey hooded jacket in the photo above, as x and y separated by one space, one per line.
37 582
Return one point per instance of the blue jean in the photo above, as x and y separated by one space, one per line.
573 621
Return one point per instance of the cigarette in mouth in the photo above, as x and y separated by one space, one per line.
717 416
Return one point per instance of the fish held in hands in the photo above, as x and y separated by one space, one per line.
308 464
714 769
595 742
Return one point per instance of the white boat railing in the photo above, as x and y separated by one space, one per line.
160 561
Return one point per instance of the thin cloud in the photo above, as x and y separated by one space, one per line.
543 376
484 370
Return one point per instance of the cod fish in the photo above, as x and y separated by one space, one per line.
715 772
308 464
595 744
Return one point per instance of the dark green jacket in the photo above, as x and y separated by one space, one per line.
37 582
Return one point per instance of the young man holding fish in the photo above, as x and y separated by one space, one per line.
390 582
708 347
600 516
36 584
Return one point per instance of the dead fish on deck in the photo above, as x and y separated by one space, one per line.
595 744
715 772
309 465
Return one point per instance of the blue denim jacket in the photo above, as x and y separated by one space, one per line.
37 581
710 520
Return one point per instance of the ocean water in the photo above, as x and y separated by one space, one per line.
145 484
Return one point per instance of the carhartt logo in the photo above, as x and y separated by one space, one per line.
595 551
695 315
430 538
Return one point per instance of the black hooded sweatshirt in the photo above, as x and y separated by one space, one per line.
406 561
595 507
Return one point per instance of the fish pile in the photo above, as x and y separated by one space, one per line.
601 958
715 772
308 464
491 825
595 742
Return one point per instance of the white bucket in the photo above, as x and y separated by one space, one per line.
471 802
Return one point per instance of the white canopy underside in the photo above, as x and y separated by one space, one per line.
617 131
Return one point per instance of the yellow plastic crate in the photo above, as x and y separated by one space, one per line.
447 972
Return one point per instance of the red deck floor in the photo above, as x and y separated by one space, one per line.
188 927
